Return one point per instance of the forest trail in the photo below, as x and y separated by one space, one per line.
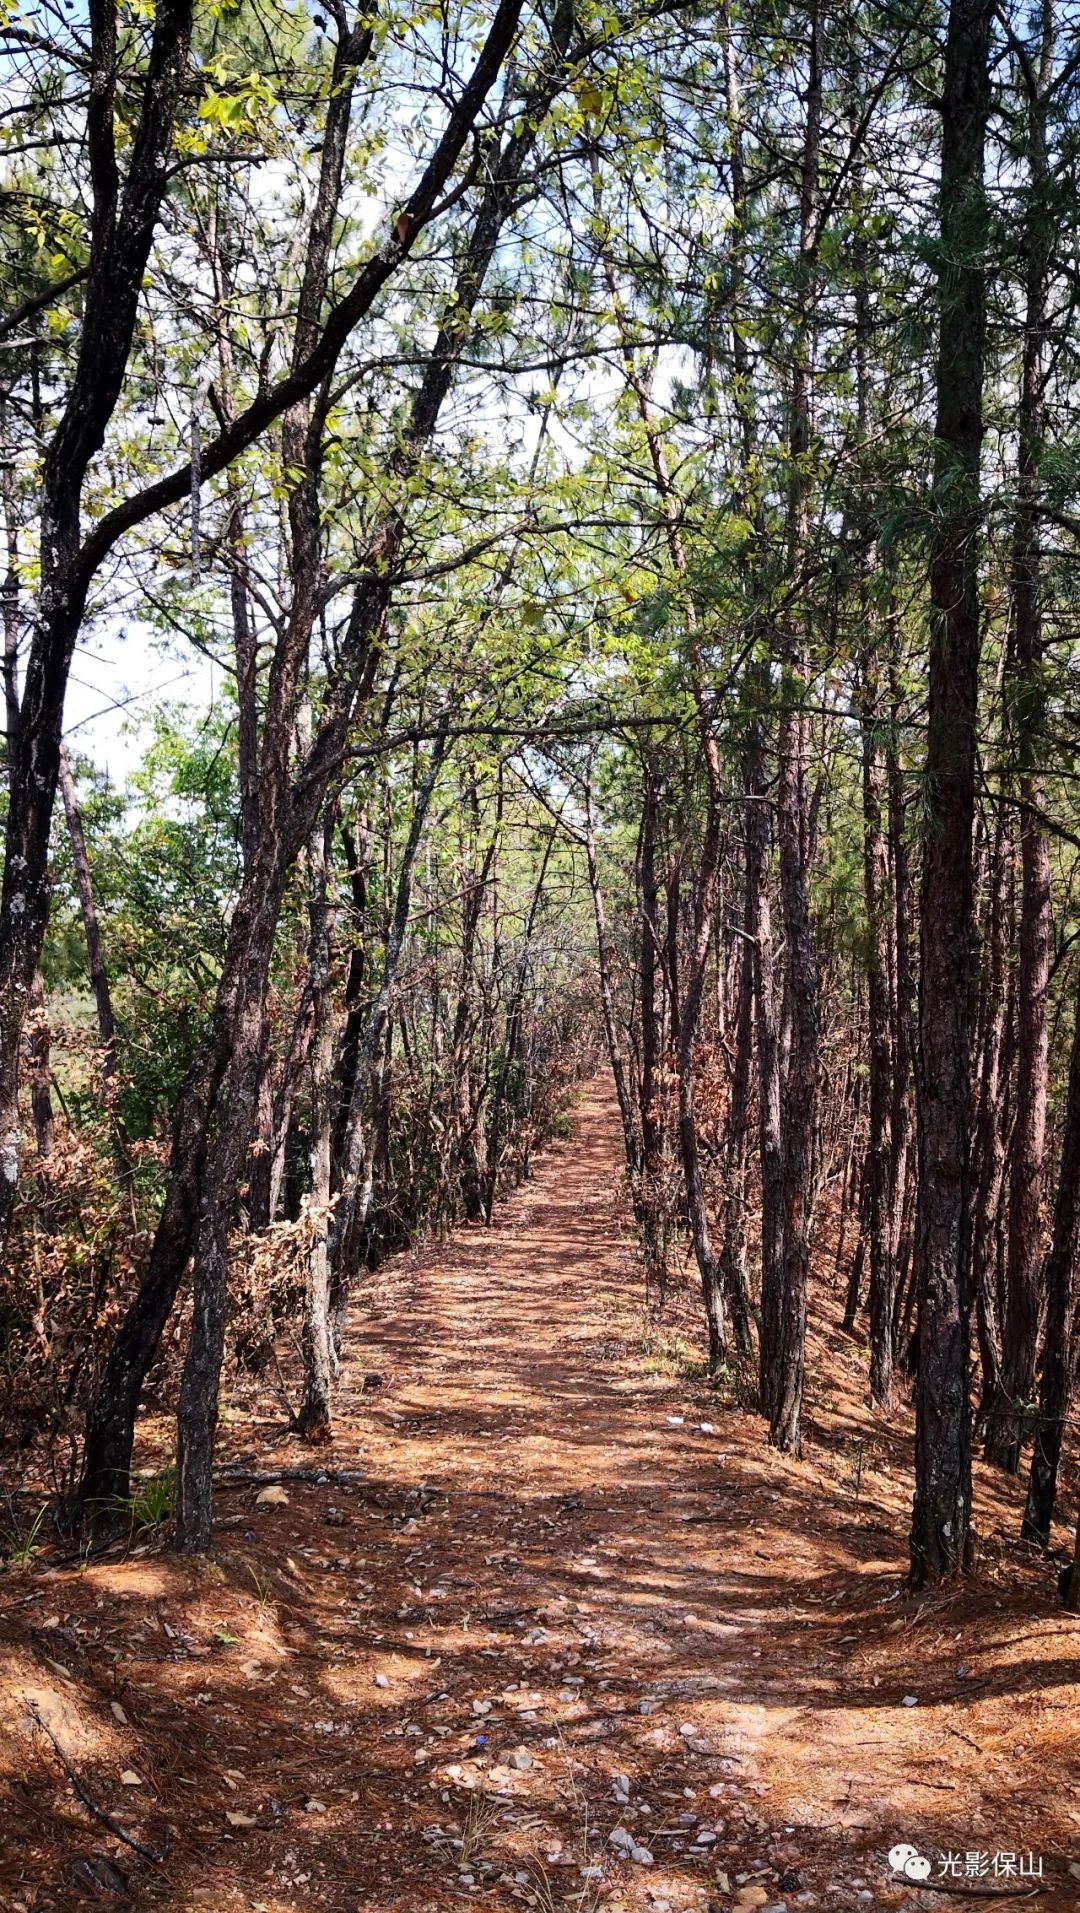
608 1609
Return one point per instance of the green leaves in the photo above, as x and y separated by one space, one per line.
236 103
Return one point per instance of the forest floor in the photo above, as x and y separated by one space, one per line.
555 1605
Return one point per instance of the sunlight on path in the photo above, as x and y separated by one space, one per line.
683 1583
551 1627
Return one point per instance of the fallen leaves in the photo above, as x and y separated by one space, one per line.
617 1740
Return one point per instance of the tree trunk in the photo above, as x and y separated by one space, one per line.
356 1158
800 1097
1024 1265
1071 1590
313 1417
988 1152
122 231
99 976
879 1159
732 1262
770 1130
607 997
901 1009
225 1163
940 1534
652 1195
512 1034
793 833
697 1208
858 1260
110 1426
357 848
38 1050
1062 1340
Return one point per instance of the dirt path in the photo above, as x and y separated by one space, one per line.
554 1590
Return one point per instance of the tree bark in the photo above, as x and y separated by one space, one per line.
357 847
1071 1590
110 1425
770 1129
901 1010
941 1524
652 1196
1024 1265
793 832
631 1147
317 1342
879 1159
95 954
689 1016
732 1260
988 1152
1062 1341
38 1051
512 1036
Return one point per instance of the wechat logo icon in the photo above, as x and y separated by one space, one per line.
908 1861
